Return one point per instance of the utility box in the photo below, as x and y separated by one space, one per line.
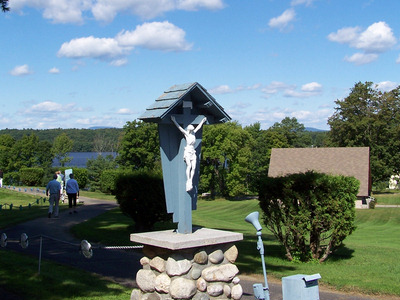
300 287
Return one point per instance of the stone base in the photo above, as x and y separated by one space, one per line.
196 266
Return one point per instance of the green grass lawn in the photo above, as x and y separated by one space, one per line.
97 195
55 282
389 198
368 261
20 211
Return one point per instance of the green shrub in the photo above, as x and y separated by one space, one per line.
372 203
96 167
311 213
31 176
11 178
380 186
81 176
108 180
141 196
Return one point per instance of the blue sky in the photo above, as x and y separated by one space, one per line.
84 63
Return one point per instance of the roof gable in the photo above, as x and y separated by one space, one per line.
172 101
348 161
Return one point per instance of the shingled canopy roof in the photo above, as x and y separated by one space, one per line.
348 161
170 102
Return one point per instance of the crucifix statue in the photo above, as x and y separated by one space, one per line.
186 107
189 155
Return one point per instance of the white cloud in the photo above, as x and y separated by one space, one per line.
225 89
4 120
119 62
345 35
248 88
75 11
361 58
398 60
300 2
54 71
125 111
222 89
267 117
282 22
376 39
387 86
289 90
311 87
47 107
241 105
156 36
105 10
276 86
101 120
302 115
198 4
60 11
92 47
162 36
21 70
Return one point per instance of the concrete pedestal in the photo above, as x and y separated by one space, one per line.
198 266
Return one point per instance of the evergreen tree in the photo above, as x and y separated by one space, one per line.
139 148
369 118
62 145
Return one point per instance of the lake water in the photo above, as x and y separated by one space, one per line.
79 159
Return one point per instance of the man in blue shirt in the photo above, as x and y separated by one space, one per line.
54 188
72 189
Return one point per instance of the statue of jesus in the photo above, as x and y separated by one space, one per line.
189 154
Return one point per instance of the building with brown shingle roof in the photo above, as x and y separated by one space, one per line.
348 161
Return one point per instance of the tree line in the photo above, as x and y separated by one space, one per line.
233 157
84 140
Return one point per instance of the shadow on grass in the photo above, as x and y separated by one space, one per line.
58 282
249 260
342 253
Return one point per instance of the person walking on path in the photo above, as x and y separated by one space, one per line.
54 188
60 179
72 189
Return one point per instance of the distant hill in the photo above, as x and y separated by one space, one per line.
312 129
100 127
85 140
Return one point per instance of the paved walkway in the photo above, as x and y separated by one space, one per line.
119 265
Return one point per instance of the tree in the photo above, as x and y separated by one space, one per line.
62 145
311 213
4 5
140 195
293 131
369 118
31 176
6 144
96 167
44 155
139 148
29 152
225 162
264 141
